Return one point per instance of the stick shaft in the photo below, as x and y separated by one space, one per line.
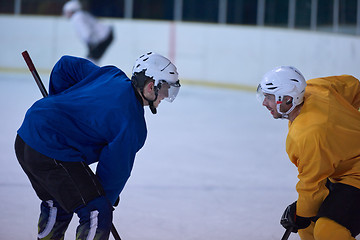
114 232
286 234
35 74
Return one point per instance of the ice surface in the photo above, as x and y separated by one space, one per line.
213 167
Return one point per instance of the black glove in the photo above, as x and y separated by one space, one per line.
289 219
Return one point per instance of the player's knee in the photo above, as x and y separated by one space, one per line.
327 229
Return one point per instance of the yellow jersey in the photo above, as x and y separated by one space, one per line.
324 139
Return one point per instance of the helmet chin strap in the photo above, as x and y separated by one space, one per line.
152 108
286 114
151 102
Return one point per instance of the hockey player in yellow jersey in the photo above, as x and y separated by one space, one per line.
323 142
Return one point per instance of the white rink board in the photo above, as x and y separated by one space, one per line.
202 52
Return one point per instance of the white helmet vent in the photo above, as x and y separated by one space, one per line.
271 88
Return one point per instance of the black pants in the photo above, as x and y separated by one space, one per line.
71 184
97 51
64 188
343 206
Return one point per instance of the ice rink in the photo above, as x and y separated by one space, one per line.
214 167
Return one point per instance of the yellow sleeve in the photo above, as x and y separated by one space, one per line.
314 164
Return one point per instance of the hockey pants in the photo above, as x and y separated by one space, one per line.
97 51
66 188
325 229
339 215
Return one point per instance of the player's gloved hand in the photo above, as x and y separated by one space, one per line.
289 219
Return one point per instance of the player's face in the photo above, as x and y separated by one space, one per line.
270 103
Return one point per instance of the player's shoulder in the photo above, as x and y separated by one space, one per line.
333 81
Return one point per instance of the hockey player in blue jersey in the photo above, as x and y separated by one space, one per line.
92 114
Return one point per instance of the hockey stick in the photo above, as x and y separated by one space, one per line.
43 91
286 234
35 74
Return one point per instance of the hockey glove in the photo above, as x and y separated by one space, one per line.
289 219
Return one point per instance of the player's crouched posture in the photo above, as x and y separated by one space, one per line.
324 144
92 114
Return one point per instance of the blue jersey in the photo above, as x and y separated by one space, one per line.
92 114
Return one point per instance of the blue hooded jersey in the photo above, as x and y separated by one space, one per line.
92 114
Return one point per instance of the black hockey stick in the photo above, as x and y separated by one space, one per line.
43 91
286 234
35 74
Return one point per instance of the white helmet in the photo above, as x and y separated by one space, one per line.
160 69
284 81
71 6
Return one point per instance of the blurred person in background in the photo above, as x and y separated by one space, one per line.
92 115
96 35
323 142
